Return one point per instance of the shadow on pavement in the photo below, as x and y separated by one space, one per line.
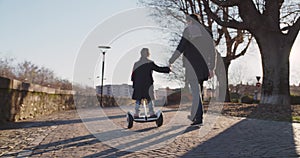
32 124
89 140
252 137
114 152
247 138
53 146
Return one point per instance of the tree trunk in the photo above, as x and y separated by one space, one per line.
222 74
275 51
227 95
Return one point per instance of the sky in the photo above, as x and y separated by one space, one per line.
63 36
50 32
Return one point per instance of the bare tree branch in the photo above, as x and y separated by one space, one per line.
226 3
245 49
272 13
230 23
220 34
229 41
192 6
294 30
237 40
250 15
289 13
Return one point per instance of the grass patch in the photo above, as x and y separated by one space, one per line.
287 113
296 119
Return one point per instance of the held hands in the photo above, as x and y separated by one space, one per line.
211 74
170 67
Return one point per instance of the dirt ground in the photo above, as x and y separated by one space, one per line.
289 113
285 113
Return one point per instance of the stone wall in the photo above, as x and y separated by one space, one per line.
19 101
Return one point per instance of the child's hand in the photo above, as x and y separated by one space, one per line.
170 67
211 74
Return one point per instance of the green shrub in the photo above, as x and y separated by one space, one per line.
234 96
234 100
256 101
247 99
295 100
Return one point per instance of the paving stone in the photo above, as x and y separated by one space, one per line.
65 135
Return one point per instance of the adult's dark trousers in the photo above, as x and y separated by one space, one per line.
197 106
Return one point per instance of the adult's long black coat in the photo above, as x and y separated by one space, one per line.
142 78
198 51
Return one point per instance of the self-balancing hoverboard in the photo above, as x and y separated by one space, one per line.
144 117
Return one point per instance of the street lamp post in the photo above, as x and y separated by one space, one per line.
102 48
257 85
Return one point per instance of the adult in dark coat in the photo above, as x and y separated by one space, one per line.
198 51
143 81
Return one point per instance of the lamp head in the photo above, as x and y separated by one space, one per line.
104 47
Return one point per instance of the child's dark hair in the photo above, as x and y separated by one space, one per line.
193 17
145 52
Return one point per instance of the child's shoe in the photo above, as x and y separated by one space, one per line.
136 115
152 115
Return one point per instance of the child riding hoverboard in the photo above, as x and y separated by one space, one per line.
143 90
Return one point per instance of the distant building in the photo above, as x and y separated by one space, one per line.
123 90
161 94
244 89
208 94
295 90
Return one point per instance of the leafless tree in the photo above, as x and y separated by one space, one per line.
45 77
275 25
6 68
237 74
63 84
170 13
28 72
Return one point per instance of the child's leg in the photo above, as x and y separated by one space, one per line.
137 107
151 107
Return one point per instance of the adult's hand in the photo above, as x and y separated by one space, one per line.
211 74
170 67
